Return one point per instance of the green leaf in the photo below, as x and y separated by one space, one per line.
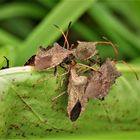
86 32
48 3
27 109
123 7
23 9
8 39
45 33
115 29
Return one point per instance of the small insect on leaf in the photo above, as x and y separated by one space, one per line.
76 90
48 58
100 83
85 50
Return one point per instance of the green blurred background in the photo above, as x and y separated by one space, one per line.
27 24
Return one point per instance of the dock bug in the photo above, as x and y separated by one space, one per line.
100 83
86 50
49 58
76 90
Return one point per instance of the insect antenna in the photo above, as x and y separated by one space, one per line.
109 43
130 67
65 37
67 32
116 52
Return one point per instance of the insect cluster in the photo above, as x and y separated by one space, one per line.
88 76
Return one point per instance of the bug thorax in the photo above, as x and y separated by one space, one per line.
85 50
77 80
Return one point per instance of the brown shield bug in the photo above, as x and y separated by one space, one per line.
49 58
76 90
100 83
86 50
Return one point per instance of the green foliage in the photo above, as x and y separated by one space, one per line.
27 109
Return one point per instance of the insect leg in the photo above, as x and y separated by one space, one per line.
55 70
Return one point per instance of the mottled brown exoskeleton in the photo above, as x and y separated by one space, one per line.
76 90
49 58
100 83
95 86
87 50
